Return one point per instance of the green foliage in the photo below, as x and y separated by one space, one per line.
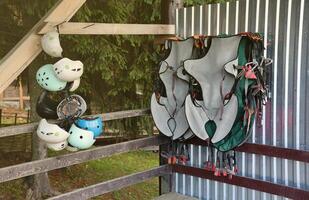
115 65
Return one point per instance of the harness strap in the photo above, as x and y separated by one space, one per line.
222 98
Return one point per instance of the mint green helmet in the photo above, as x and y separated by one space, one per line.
80 138
48 80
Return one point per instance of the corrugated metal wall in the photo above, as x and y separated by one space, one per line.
285 24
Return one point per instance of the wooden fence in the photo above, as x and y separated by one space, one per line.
62 161
57 162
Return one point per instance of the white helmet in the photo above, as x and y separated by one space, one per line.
57 146
51 44
68 70
51 133
74 85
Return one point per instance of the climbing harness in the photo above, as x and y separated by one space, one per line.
224 98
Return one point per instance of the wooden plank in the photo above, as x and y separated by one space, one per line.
113 185
65 12
165 182
25 98
28 48
254 184
124 114
112 29
266 150
29 128
48 164
274 151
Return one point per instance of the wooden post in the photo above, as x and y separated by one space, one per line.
21 94
0 117
39 185
168 10
168 16
15 118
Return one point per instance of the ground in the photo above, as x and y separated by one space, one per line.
68 179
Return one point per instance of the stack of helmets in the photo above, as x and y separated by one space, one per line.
61 78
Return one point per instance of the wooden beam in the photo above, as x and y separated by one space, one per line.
30 128
112 29
113 185
250 183
28 48
25 98
262 149
48 164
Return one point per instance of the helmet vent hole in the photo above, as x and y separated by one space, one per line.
71 132
81 137
86 128
78 69
46 84
56 69
98 126
47 78
42 79
44 73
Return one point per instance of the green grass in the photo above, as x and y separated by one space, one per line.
74 177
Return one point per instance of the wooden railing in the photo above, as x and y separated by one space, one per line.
115 184
31 127
48 164
254 184
57 162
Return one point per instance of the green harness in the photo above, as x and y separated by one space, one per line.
246 91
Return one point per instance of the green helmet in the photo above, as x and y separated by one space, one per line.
48 80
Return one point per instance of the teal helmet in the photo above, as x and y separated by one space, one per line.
48 80
79 138
94 125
